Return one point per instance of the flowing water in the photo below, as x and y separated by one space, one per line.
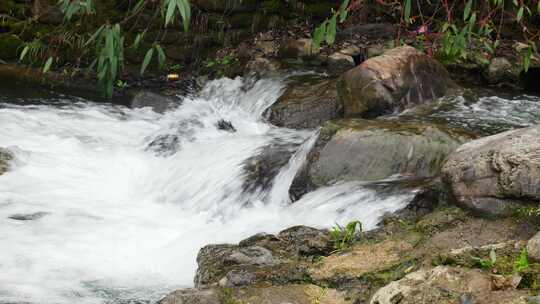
106 204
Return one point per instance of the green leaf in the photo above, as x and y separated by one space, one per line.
343 11
23 53
146 60
137 41
95 35
161 56
319 34
47 65
185 12
467 10
519 14
407 11
331 31
171 5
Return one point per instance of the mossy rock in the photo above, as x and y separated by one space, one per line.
9 46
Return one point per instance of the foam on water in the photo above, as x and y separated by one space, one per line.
121 222
486 114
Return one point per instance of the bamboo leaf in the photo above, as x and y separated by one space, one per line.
467 10
146 60
319 34
519 14
171 5
331 31
47 65
23 53
343 11
407 11
161 56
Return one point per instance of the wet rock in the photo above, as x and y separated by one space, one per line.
28 216
260 170
164 145
363 150
445 284
500 70
215 261
533 248
225 126
308 102
495 173
398 79
158 103
292 293
297 48
5 158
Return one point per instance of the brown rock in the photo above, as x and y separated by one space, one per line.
400 78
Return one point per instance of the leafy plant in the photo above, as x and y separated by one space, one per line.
487 263
182 6
343 237
110 56
327 30
74 7
522 262
148 57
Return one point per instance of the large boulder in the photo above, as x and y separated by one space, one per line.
308 102
400 78
5 158
449 285
369 150
492 174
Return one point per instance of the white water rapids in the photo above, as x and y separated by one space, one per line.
121 223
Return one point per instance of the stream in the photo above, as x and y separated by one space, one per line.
107 204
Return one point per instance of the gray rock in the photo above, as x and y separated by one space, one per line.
364 150
492 174
398 79
215 261
306 241
308 102
533 300
533 247
158 103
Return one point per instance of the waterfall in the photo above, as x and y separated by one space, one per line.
106 204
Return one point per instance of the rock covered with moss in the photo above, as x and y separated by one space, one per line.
493 174
398 79
369 150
